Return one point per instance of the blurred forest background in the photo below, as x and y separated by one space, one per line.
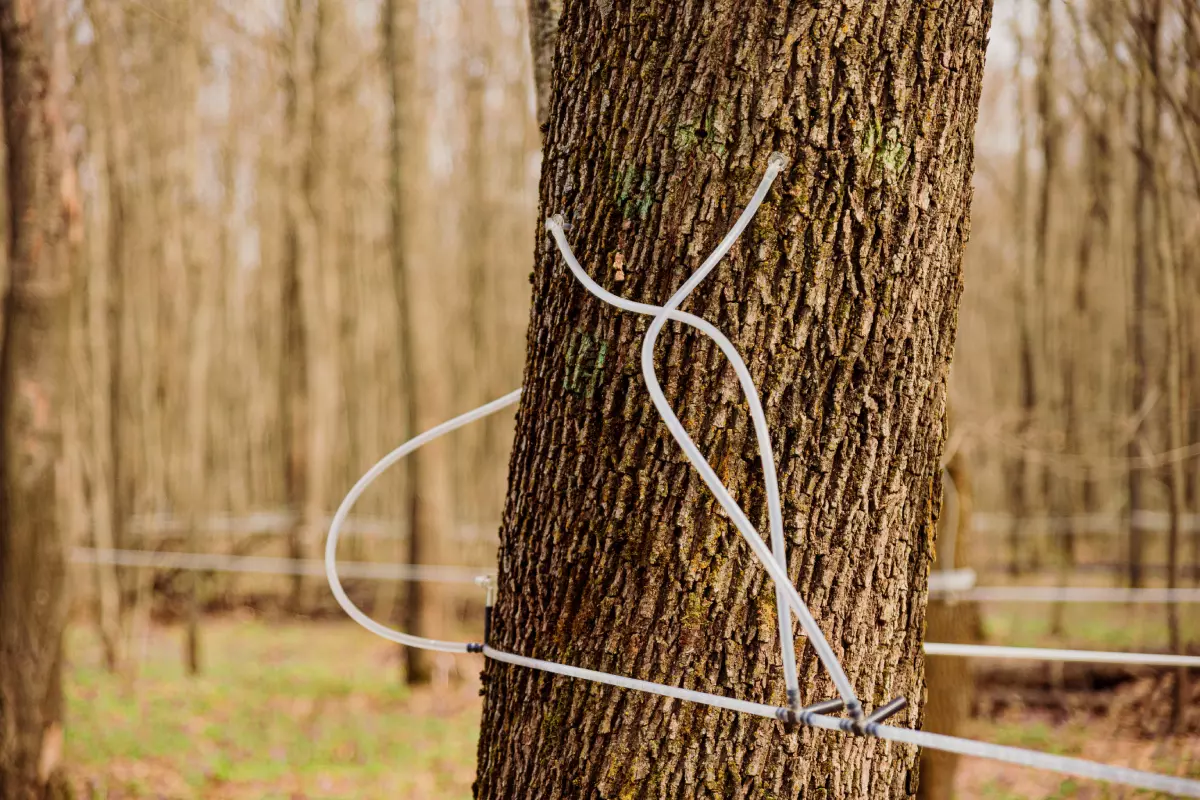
305 234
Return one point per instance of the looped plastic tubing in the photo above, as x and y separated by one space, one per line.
950 744
774 562
776 567
343 512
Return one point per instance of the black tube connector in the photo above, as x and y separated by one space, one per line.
474 647
826 706
885 711
487 583
793 717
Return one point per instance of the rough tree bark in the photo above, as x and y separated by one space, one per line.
43 208
842 296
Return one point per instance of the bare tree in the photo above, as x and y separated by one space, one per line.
1102 122
951 681
103 334
200 280
1027 305
1174 381
43 206
307 374
1147 26
427 504
543 32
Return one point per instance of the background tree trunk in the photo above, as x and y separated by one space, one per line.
1145 213
842 296
1025 303
199 281
1173 379
543 33
951 681
300 267
106 510
43 210
427 502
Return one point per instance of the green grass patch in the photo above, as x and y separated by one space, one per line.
304 709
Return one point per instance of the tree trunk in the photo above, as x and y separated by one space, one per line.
1025 295
1190 286
951 680
200 283
1173 380
479 258
427 504
320 285
43 208
1145 213
103 316
1048 136
543 34
842 296
301 379
1096 243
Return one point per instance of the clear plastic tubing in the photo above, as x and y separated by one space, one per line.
776 565
1013 755
774 510
949 744
775 165
343 512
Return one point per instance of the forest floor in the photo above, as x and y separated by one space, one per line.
314 710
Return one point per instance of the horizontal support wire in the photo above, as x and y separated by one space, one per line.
261 565
1079 594
787 594
283 522
266 565
954 582
1063 765
1052 654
